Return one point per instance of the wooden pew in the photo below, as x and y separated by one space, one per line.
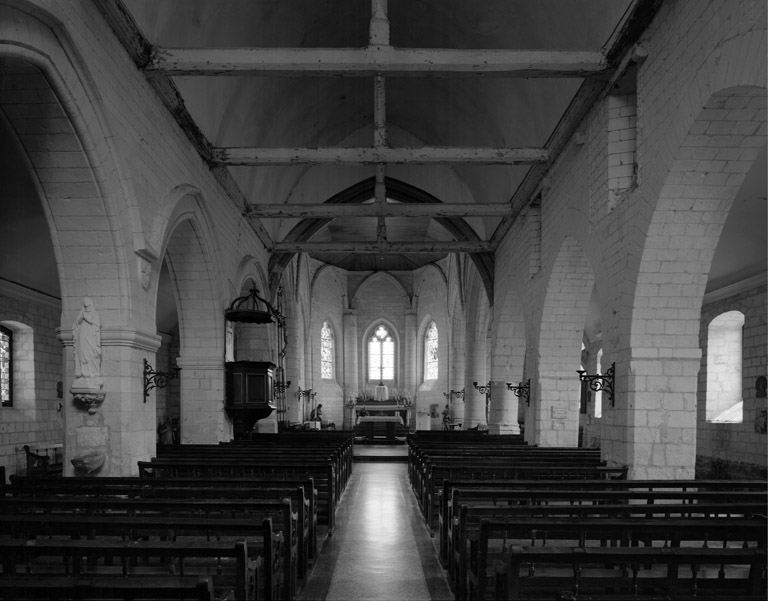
321 472
429 466
196 518
85 569
487 543
432 487
637 573
300 490
506 493
340 452
141 547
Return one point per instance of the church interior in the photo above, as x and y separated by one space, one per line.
540 224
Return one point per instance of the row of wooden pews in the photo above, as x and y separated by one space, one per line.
556 536
201 535
434 457
324 456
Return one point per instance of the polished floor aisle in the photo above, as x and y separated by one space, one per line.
381 550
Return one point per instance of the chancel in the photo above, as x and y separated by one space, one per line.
363 271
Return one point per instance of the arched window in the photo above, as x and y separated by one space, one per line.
430 352
381 355
724 381
6 366
326 352
599 393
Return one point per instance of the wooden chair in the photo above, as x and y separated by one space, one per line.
39 465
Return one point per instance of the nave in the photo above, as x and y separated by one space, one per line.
381 549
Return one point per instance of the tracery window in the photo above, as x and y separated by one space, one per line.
381 355
326 352
430 352
6 367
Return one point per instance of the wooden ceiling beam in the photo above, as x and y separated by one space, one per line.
373 210
383 248
424 155
368 61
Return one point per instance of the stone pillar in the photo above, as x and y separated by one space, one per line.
409 381
474 401
292 370
110 435
656 415
502 418
557 409
351 373
203 419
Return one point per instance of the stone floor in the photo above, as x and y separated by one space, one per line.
381 549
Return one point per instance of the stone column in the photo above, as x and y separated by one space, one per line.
557 409
351 369
409 381
502 418
474 401
203 419
108 437
654 418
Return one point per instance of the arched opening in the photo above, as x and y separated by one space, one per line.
724 367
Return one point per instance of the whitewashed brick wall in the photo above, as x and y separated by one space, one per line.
34 419
737 449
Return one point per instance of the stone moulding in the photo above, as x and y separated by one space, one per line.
88 400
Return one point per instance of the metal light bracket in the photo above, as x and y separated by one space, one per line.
599 382
157 379
521 390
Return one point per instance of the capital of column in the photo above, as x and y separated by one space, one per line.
202 362
120 336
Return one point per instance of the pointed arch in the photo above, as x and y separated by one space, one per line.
401 192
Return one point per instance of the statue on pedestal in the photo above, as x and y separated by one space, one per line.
87 337
86 333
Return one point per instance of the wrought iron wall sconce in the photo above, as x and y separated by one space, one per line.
486 390
157 379
459 394
281 387
521 390
599 382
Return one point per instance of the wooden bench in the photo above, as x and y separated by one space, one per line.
40 465
243 556
321 472
137 489
84 569
300 490
490 541
430 467
193 519
431 494
637 573
580 493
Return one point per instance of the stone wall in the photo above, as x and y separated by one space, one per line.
734 450
35 418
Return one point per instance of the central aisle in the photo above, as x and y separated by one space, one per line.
381 550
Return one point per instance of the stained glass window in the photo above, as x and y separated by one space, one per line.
6 351
326 352
430 351
381 355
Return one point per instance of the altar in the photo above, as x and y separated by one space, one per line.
378 425
387 418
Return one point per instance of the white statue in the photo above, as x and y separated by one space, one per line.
87 336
